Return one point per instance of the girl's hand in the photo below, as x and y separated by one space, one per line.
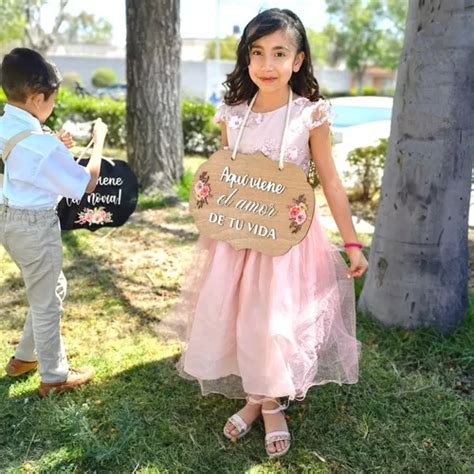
66 138
100 131
359 263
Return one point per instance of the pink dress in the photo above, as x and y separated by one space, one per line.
269 326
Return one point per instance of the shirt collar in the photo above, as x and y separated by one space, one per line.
22 115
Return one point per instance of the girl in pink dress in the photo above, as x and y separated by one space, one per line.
265 328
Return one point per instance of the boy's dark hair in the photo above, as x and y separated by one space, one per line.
26 72
240 87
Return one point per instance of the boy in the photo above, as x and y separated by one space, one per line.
38 169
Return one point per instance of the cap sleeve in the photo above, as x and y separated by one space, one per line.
222 113
317 113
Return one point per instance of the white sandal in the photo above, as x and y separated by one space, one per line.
240 425
275 436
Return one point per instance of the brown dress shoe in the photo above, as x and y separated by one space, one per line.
17 367
75 378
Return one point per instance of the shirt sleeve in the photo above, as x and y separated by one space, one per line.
60 174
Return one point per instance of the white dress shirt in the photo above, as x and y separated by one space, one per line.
40 168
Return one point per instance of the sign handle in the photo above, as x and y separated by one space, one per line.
285 130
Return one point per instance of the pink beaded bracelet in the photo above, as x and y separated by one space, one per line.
353 244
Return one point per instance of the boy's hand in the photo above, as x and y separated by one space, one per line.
100 131
66 138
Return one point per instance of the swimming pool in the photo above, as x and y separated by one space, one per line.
348 116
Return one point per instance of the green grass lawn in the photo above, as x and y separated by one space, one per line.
412 410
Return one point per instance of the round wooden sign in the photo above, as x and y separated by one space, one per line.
250 203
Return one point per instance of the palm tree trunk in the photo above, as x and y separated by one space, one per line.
418 269
154 134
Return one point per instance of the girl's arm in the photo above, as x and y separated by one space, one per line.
321 152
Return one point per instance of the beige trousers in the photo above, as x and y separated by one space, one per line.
33 240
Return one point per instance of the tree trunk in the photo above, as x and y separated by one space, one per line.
360 79
418 269
154 134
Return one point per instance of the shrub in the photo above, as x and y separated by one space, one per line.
70 106
330 95
183 187
200 135
369 90
71 79
104 77
366 90
368 163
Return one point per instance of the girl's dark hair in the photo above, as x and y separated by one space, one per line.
240 87
26 72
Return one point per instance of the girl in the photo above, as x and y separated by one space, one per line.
268 328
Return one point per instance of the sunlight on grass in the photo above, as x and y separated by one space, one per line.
409 408
192 163
182 188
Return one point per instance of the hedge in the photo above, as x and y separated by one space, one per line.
200 134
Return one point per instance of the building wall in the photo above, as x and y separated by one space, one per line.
334 80
86 66
198 78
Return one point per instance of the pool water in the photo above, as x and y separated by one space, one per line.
347 116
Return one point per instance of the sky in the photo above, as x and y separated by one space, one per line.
198 17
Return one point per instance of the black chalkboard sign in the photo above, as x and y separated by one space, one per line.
110 205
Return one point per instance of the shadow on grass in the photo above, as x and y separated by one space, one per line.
179 235
409 409
143 417
89 275
147 417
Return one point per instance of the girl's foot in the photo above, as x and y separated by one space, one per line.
277 439
239 424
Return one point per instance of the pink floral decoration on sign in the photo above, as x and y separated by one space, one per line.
202 190
298 213
98 216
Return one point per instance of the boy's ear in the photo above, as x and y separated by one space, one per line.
37 99
298 61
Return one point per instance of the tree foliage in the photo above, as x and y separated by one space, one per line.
319 44
86 28
35 36
228 48
367 32
22 20
12 21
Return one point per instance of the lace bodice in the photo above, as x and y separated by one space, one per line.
264 130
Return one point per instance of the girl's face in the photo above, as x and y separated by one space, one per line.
273 59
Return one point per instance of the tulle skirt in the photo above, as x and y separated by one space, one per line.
251 324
